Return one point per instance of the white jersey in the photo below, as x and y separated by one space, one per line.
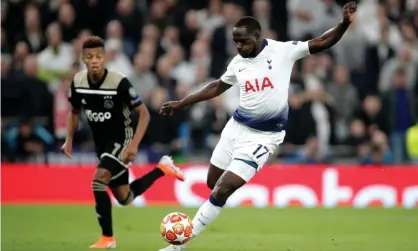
264 84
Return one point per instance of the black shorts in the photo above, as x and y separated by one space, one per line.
110 158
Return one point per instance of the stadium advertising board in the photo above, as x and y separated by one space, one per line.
275 185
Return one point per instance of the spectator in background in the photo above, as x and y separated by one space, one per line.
116 60
41 104
28 142
33 34
164 70
114 30
345 101
151 32
401 113
371 114
373 17
169 39
301 124
349 52
358 138
378 151
148 47
188 32
223 47
303 18
96 22
216 117
393 9
199 113
56 59
408 32
200 54
376 56
324 69
130 18
184 71
5 47
321 104
14 101
296 80
262 11
66 19
211 17
406 58
19 55
157 14
329 15
143 79
204 36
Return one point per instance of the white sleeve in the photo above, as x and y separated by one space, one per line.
229 76
296 49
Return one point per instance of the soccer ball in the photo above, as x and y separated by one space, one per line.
176 228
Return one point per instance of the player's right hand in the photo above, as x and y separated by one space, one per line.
168 107
67 148
349 10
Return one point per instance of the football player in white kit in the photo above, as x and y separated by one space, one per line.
262 70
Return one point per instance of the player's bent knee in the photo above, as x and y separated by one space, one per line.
126 201
103 175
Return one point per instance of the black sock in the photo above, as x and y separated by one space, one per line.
140 185
103 207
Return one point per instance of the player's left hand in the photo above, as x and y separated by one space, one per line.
349 11
129 154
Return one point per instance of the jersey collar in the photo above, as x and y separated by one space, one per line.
263 46
98 84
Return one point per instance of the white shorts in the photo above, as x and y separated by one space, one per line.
243 150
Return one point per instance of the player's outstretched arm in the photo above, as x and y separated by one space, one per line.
332 36
210 91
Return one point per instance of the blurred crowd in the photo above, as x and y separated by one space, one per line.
358 101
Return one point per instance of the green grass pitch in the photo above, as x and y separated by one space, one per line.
73 228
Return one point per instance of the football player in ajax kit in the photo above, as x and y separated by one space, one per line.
262 70
112 107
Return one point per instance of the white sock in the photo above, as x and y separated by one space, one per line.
206 214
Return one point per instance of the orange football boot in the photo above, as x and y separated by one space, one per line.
105 242
166 165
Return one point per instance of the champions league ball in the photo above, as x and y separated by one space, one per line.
176 228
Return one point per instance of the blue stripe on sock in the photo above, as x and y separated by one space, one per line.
216 202
249 162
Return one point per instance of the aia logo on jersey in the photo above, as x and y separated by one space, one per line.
295 42
258 85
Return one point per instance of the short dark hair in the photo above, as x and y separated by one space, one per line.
250 23
93 42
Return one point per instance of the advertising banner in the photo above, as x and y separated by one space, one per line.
274 186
